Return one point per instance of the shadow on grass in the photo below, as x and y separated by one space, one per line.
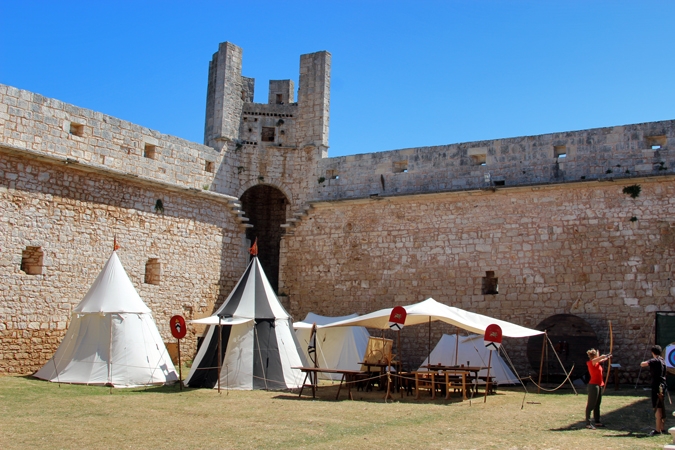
328 393
634 421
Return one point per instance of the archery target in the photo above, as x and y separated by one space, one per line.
670 356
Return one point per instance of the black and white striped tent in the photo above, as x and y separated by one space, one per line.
258 346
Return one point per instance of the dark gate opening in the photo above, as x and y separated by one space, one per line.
265 207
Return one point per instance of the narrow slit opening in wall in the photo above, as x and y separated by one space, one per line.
490 283
499 182
76 129
32 261
153 271
560 151
149 151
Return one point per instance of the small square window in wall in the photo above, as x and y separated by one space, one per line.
267 134
150 151
490 284
479 159
401 167
560 151
656 142
31 261
209 166
76 129
153 271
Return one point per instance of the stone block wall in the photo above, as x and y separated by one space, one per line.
53 128
194 248
581 248
597 154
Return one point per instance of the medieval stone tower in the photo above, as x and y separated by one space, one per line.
269 149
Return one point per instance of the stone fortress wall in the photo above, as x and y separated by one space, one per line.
550 223
597 154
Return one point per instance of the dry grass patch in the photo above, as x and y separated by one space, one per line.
38 414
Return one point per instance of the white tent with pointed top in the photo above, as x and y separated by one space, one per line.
470 350
253 331
336 348
112 339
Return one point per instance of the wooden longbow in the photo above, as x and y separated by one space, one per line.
609 361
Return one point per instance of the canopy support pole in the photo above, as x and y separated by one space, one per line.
429 343
541 363
220 343
487 380
457 344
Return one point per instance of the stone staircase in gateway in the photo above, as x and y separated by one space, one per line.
297 217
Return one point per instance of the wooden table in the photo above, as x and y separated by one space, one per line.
463 371
348 378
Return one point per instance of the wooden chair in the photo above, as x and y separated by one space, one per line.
425 380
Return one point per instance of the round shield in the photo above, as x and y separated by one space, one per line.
178 328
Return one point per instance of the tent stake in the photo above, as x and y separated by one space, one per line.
541 363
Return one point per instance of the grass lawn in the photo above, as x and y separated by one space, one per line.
39 414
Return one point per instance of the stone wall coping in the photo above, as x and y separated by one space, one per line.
86 167
620 181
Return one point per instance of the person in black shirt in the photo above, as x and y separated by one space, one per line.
657 367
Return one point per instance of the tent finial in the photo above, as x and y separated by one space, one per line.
116 246
254 248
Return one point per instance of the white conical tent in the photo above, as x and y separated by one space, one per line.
258 347
112 338
336 348
470 349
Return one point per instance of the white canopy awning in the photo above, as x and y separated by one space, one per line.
430 309
320 321
213 320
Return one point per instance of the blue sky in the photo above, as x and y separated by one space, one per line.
404 74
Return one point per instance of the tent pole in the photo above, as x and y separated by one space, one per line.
110 356
429 344
541 363
487 380
56 370
457 344
400 361
180 370
220 343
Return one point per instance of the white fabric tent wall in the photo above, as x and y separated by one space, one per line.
336 348
112 338
471 349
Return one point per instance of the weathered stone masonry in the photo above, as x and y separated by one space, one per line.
545 216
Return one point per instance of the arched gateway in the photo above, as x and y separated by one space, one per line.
265 206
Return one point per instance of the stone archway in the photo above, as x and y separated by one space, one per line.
265 207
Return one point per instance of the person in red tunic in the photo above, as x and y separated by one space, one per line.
594 387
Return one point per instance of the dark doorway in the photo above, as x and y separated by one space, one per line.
265 207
